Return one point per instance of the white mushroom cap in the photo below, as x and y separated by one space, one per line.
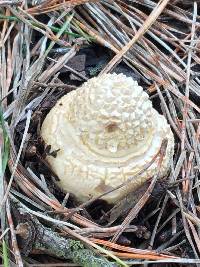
106 131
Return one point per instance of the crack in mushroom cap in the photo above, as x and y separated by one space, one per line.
106 132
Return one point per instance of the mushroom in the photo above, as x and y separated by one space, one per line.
105 132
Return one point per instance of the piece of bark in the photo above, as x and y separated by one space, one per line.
34 237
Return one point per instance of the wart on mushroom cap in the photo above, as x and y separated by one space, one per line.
106 131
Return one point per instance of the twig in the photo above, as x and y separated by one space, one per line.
34 236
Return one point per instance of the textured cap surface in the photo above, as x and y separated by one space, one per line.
106 131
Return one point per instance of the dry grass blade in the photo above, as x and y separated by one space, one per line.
13 236
147 254
147 24
17 161
53 5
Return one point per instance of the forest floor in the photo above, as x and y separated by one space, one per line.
49 48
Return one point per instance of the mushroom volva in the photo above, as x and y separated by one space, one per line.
105 132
